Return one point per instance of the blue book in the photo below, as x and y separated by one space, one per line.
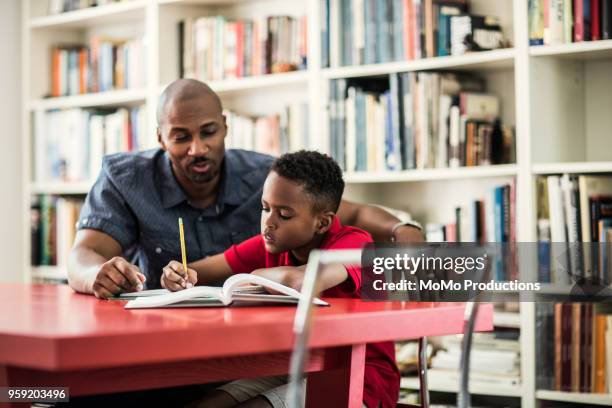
324 33
369 17
407 136
398 31
499 230
360 130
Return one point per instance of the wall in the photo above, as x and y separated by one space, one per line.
11 191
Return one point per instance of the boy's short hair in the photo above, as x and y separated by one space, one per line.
319 174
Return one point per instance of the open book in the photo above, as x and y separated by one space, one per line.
233 290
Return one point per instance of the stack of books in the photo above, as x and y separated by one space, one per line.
273 134
575 213
416 121
69 144
102 65
554 22
358 32
494 361
216 48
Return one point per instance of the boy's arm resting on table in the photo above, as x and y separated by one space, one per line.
95 266
378 222
293 276
211 270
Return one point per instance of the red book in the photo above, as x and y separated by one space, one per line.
595 21
578 21
55 72
83 70
240 49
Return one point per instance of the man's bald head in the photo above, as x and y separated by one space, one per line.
184 90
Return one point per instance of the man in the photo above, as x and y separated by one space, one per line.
133 208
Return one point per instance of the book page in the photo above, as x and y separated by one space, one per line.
175 297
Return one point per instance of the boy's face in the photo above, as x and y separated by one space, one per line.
288 222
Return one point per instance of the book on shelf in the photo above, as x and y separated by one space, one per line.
104 64
218 48
416 121
69 144
62 6
553 22
574 228
52 229
273 134
239 289
356 32
574 341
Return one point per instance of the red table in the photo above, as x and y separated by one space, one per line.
51 336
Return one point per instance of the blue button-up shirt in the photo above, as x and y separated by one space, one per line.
137 201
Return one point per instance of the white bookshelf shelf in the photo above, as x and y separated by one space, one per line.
93 16
578 50
412 383
485 60
576 397
61 188
573 167
501 170
49 272
229 86
109 98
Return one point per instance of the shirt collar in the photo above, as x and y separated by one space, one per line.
172 193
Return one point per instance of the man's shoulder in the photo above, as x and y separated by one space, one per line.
246 161
132 166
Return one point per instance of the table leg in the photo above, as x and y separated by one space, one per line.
342 384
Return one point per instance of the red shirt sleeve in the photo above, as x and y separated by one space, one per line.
348 238
247 256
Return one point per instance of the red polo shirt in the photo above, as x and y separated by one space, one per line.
381 382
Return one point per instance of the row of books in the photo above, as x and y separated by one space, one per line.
491 218
415 121
565 21
574 347
494 360
69 144
61 6
53 228
216 48
357 32
273 134
572 210
102 65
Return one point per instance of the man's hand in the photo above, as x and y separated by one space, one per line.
291 276
409 234
174 277
117 276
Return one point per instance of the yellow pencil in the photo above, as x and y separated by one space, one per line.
183 249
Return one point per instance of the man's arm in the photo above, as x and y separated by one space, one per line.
378 222
95 266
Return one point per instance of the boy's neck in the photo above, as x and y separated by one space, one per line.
301 254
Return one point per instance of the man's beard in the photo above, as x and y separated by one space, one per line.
201 177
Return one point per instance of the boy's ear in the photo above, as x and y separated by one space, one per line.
325 222
160 140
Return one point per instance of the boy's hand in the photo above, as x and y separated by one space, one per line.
174 277
291 276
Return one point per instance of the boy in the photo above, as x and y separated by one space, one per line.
300 198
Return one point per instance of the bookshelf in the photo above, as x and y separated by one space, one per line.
556 96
